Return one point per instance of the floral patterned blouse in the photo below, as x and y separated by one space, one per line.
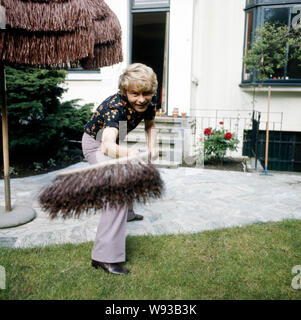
117 108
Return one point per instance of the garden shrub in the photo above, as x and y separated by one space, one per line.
39 124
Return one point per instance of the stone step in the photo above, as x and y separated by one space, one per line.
169 121
166 153
168 131
143 145
161 138
166 164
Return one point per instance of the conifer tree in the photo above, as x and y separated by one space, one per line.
39 123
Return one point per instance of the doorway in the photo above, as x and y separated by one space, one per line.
150 46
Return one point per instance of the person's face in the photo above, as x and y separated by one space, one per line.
139 99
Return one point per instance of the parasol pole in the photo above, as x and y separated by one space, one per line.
5 139
4 121
267 132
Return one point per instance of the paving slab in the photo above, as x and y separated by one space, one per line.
195 200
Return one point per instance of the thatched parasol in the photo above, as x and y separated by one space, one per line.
52 34
107 37
46 32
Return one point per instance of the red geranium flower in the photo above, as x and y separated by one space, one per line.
221 123
207 132
228 136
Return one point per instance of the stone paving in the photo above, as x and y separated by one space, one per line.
195 200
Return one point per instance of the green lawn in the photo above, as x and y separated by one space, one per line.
253 262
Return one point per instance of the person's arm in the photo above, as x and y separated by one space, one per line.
111 148
151 133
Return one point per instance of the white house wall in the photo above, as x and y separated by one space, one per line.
217 58
180 55
205 65
94 88
218 39
285 107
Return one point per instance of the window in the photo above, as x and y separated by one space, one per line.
279 12
150 5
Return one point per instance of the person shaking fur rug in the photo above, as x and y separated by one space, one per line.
115 182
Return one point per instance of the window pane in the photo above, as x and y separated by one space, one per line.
278 16
278 12
249 31
267 1
248 39
144 4
276 1
293 67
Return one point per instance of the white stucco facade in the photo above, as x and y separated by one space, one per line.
206 41
180 55
217 54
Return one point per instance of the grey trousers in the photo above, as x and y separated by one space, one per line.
109 245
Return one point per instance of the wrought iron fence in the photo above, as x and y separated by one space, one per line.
250 128
284 147
234 121
284 150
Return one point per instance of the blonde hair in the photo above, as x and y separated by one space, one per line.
140 76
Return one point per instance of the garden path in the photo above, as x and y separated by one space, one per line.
195 200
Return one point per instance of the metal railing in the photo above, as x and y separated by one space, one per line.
246 124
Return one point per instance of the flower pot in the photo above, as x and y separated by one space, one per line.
175 113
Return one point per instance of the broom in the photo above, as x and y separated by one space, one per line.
116 182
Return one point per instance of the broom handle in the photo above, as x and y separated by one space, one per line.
123 160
